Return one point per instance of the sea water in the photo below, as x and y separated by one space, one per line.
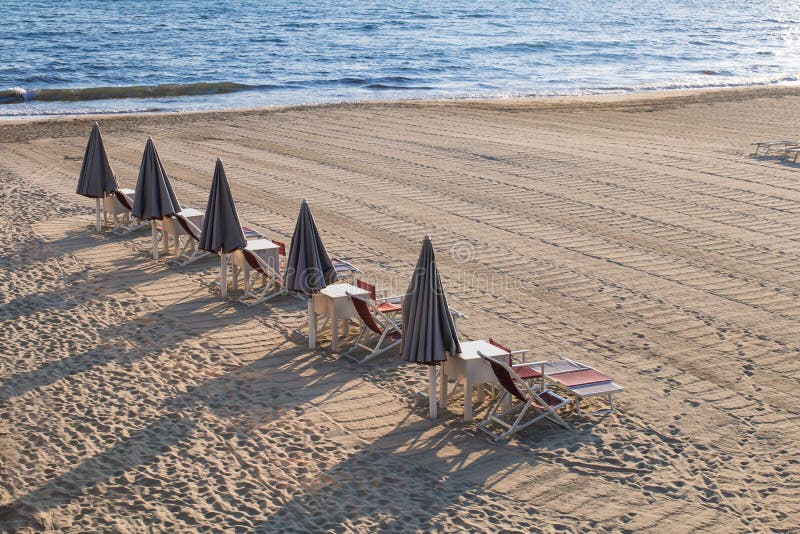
85 56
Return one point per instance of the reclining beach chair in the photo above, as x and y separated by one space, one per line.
578 379
346 270
511 353
190 252
281 252
791 152
536 404
394 304
375 324
384 304
117 208
272 281
769 145
249 233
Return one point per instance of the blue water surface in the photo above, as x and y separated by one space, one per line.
307 51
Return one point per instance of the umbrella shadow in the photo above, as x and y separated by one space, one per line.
73 240
80 288
134 340
142 446
403 481
248 393
38 248
401 477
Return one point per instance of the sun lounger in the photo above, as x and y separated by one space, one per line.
125 199
394 303
117 208
281 250
272 277
791 151
580 380
190 252
272 285
385 331
249 233
384 304
345 269
605 389
342 267
769 145
536 404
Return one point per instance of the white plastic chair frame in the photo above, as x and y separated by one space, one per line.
541 403
375 322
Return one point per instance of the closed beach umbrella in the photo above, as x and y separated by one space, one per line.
155 199
309 268
222 232
429 333
97 178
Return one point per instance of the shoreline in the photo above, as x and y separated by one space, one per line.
641 100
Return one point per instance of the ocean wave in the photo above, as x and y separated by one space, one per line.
717 82
12 95
383 86
16 95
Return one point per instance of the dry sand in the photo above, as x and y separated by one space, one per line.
636 234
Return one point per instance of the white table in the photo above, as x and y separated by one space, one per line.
334 303
113 208
469 369
264 249
172 228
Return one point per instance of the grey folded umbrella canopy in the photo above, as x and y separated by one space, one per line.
222 231
309 268
428 329
154 196
97 178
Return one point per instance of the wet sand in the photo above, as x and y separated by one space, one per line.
634 234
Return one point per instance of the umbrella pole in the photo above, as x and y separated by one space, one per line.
97 214
432 401
154 232
312 324
223 275
442 387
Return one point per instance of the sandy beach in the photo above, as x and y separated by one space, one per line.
635 234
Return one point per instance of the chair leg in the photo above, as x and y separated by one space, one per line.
374 351
181 252
356 344
515 426
269 291
553 416
197 254
491 416
377 351
527 423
